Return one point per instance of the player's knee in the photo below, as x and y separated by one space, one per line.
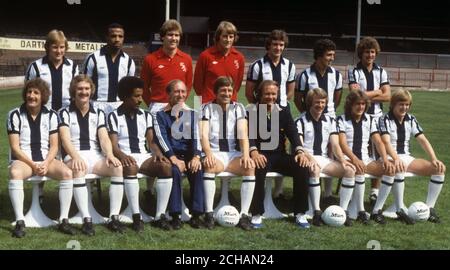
117 171
248 172
349 172
16 173
165 168
67 174
130 170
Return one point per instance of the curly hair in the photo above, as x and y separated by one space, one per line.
367 43
40 85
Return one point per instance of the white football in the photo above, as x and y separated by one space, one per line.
419 211
334 216
227 216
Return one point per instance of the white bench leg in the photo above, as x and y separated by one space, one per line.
270 210
390 212
35 217
96 217
185 216
224 200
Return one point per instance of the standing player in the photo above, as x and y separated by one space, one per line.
273 66
224 139
165 64
397 128
177 134
220 60
356 128
83 136
317 130
33 138
129 129
321 75
55 69
161 67
269 153
370 77
107 66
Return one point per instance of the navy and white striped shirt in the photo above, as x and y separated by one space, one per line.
316 134
106 74
400 133
283 74
83 129
33 134
131 132
369 81
358 134
223 125
58 78
331 82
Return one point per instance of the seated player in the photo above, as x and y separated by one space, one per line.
269 153
83 136
356 129
224 139
33 138
397 128
177 134
317 130
130 127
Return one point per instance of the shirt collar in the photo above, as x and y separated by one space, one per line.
161 54
392 116
121 110
266 59
104 51
215 50
314 69
360 66
310 118
73 107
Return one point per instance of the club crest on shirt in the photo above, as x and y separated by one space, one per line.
183 67
236 64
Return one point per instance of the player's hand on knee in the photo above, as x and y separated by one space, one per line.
440 167
112 160
210 161
247 163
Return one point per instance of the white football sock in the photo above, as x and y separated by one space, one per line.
80 194
115 195
247 189
386 185
163 188
314 192
65 198
434 188
16 195
209 185
358 192
346 191
398 190
132 192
